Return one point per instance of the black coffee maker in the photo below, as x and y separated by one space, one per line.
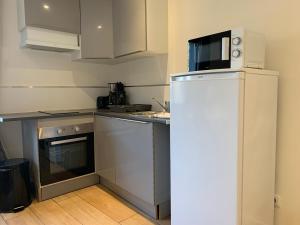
117 94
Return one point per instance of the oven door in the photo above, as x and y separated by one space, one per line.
210 52
66 157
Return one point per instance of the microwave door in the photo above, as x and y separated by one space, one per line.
194 56
197 55
225 48
210 52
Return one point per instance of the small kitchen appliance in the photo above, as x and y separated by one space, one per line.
235 49
117 94
102 102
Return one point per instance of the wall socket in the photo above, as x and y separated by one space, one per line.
277 201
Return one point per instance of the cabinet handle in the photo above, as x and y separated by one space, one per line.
134 121
127 120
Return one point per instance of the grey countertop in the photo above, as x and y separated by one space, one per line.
130 116
79 112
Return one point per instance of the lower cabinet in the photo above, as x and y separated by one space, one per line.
134 156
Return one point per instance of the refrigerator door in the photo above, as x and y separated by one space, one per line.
205 156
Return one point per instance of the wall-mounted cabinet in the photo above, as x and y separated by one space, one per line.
49 24
129 19
103 31
62 15
96 30
129 29
140 27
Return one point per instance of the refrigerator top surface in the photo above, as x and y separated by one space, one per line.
222 71
212 76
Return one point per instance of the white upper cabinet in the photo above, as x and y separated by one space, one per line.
96 30
140 28
49 24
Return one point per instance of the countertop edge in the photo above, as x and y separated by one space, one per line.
93 112
133 117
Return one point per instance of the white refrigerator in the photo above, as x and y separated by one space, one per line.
223 144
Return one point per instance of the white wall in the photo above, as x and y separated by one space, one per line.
39 68
147 71
279 21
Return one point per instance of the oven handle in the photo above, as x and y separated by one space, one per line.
53 143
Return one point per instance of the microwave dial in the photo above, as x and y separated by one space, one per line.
236 41
236 53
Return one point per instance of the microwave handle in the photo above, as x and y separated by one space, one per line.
225 48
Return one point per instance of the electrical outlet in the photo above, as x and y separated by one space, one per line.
277 201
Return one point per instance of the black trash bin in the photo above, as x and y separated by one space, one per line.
15 185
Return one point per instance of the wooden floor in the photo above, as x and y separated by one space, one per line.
89 206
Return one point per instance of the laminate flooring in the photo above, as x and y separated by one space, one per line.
89 206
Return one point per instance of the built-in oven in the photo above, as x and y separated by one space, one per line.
65 152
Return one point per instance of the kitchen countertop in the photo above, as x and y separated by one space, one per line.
130 116
80 112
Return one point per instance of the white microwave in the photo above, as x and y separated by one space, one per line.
236 49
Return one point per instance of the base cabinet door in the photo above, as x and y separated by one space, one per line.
135 165
105 148
124 155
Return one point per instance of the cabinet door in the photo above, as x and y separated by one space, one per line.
129 18
135 161
105 148
60 15
124 155
96 29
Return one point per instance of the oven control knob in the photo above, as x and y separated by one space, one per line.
236 53
59 131
77 129
236 41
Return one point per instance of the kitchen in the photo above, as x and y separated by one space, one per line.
34 80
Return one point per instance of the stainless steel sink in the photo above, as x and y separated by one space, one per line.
162 115
148 114
152 114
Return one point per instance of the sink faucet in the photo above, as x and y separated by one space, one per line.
161 105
